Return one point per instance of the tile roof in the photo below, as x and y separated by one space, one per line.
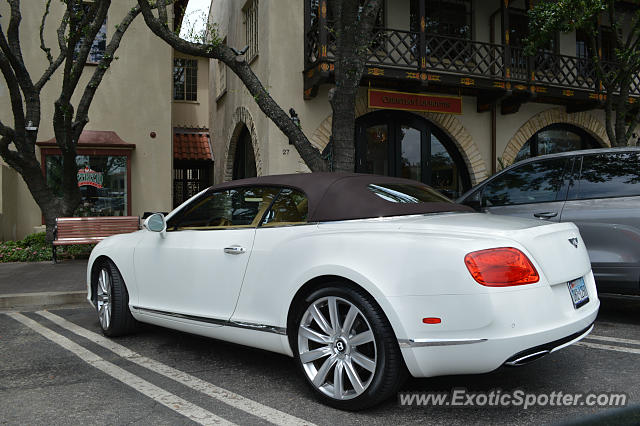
191 146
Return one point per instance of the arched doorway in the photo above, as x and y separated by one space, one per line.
558 137
402 144
244 160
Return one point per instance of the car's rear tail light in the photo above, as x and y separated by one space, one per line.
501 267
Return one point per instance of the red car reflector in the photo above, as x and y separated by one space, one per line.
501 267
431 320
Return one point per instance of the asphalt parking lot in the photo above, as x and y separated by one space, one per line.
56 368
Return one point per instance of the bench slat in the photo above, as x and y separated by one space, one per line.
89 230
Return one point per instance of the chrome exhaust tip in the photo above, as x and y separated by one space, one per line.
522 359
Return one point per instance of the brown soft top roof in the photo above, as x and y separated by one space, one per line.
344 196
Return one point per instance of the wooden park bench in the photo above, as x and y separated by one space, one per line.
90 230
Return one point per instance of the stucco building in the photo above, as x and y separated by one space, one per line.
146 146
448 95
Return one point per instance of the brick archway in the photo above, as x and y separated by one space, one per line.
241 118
448 123
583 120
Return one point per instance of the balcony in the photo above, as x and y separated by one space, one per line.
491 72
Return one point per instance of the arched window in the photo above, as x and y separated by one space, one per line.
244 161
395 143
554 138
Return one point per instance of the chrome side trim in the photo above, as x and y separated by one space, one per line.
417 343
246 325
258 327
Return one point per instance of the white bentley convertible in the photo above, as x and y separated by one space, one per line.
360 278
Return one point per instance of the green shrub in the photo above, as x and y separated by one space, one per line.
35 240
34 248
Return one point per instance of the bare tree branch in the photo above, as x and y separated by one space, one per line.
43 45
238 66
83 28
12 158
14 94
6 131
86 28
162 13
13 33
10 45
54 65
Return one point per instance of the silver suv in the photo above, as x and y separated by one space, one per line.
597 189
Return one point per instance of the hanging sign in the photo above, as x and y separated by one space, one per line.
389 99
88 177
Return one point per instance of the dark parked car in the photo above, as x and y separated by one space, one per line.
598 190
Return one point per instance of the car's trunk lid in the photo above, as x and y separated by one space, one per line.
556 248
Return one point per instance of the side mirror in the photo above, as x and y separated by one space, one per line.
155 223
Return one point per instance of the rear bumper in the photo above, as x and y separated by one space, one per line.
480 333
531 354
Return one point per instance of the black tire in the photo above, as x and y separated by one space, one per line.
121 321
390 371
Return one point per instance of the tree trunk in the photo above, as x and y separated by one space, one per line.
343 130
50 205
354 23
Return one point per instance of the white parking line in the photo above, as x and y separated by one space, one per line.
237 401
608 347
613 339
169 400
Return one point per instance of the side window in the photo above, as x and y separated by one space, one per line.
535 182
290 208
610 175
231 208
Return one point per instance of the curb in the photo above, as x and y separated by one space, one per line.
21 300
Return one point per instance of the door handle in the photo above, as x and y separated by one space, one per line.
234 250
546 215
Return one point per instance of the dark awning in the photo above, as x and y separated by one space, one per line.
94 139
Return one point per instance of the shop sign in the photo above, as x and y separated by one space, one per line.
389 99
88 177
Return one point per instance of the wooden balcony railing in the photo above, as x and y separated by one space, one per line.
496 64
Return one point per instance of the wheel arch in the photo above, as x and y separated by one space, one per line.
321 281
94 271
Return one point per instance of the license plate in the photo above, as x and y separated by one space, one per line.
578 292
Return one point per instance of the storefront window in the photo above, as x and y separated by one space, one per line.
402 144
102 180
556 138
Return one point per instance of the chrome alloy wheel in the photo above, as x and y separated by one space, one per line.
103 298
337 348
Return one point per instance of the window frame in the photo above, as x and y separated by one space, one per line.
221 76
586 140
44 152
561 193
86 5
250 18
574 188
186 82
